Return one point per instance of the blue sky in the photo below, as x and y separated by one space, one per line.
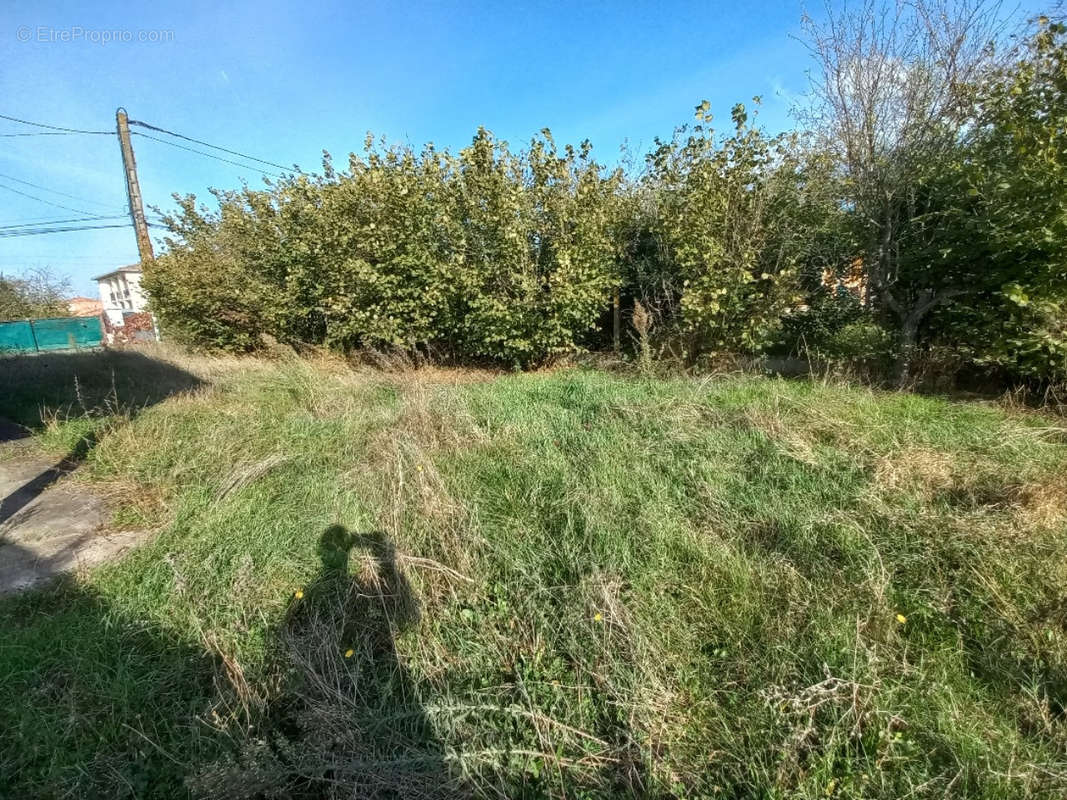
284 81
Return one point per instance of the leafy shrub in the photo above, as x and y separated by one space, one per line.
538 256
736 218
862 343
837 330
210 289
482 255
487 254
812 327
1011 230
36 293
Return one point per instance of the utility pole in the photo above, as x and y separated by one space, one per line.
133 188
133 192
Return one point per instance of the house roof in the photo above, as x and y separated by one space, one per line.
84 306
127 268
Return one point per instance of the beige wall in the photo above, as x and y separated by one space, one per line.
121 292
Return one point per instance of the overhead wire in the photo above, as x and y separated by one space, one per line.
47 202
214 146
206 155
39 133
39 231
40 222
57 127
55 191
46 226
36 221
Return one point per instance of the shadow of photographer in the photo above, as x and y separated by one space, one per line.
349 720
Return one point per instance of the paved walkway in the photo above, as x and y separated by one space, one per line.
48 524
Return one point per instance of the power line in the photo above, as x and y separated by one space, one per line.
213 146
54 220
57 222
48 202
55 191
39 231
57 260
37 221
56 127
37 133
202 153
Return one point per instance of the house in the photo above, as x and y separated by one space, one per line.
84 307
125 306
120 293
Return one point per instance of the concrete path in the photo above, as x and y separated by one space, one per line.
48 525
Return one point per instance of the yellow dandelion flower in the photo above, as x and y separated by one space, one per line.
349 652
418 467
901 619
298 593
597 617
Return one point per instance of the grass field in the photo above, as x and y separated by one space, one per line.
567 584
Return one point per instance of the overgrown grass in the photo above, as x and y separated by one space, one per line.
567 584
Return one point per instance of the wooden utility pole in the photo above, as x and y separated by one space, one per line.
133 188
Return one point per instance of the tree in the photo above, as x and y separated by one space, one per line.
36 293
893 94
214 287
1008 229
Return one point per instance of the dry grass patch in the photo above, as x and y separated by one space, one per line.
1044 504
915 470
429 526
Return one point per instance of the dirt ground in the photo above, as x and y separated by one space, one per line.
48 524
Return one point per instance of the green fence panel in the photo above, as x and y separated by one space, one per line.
65 333
16 336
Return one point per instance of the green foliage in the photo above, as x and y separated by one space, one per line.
1009 226
538 268
35 294
862 343
954 212
955 173
736 219
209 288
812 326
483 255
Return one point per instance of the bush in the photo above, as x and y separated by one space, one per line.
35 294
812 328
837 331
538 257
484 255
490 255
737 218
861 343
211 289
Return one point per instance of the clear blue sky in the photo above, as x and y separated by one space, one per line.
284 81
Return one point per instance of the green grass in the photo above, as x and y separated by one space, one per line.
575 584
